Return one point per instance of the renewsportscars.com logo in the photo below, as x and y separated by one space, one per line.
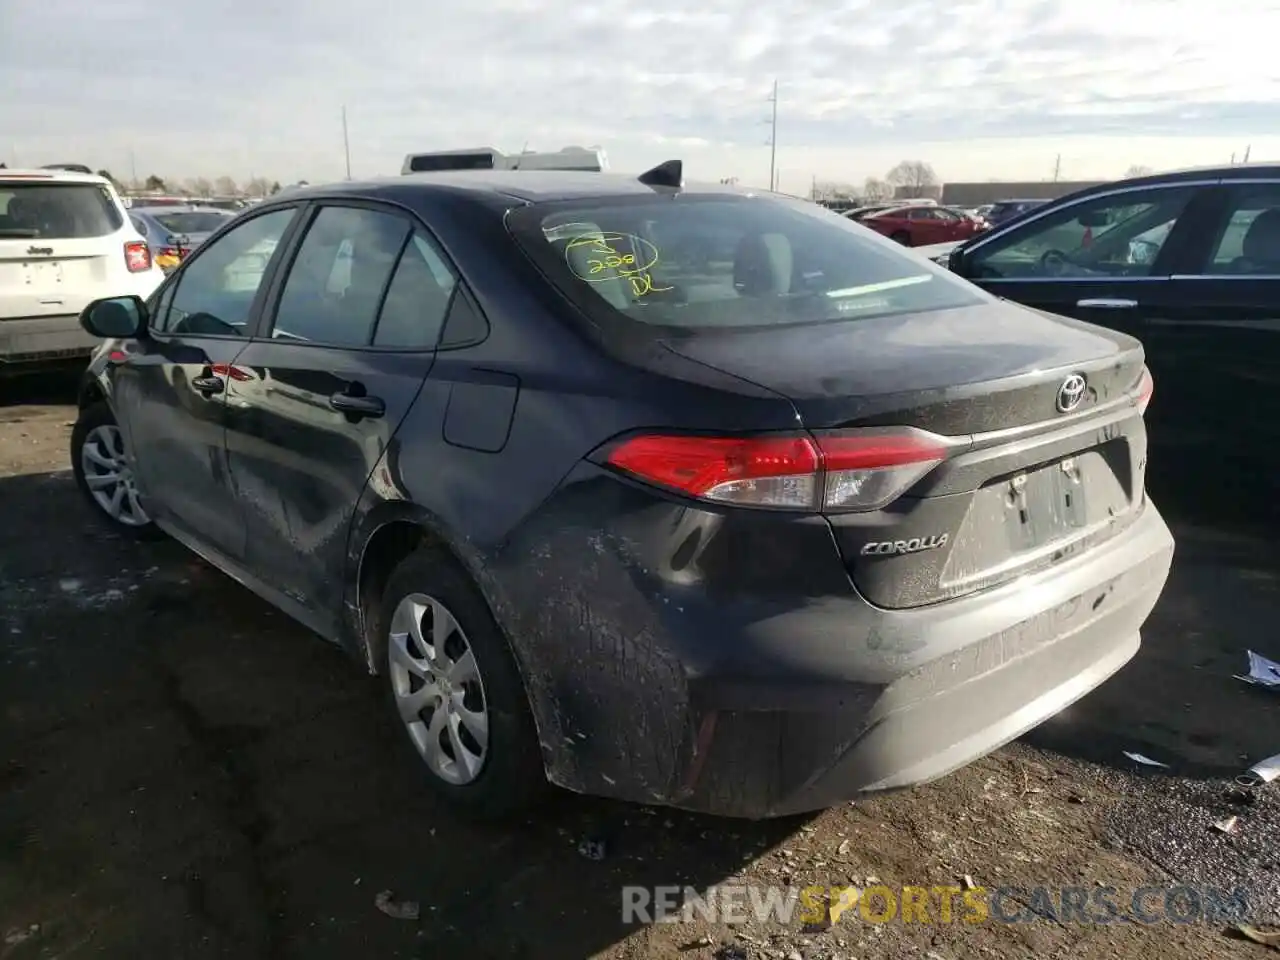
938 904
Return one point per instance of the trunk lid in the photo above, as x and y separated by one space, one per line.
1026 486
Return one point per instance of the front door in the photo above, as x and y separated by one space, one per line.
317 396
170 394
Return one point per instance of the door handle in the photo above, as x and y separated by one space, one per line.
209 384
1107 303
356 405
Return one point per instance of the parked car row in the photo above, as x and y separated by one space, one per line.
610 490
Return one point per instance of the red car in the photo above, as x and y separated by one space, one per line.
919 226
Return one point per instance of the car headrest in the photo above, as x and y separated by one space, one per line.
762 265
1262 240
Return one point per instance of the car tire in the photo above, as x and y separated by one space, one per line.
494 777
104 473
902 237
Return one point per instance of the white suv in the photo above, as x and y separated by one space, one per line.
65 240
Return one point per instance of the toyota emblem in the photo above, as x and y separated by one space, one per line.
1071 393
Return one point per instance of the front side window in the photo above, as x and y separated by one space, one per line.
56 211
1112 236
215 291
697 263
1248 240
337 280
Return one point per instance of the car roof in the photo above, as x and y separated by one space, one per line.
529 186
176 208
57 176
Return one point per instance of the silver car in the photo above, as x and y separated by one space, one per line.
174 231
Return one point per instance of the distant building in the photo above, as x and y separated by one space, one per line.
976 194
928 192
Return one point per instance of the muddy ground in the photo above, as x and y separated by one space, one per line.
184 773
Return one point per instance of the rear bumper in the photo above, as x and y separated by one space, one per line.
36 339
653 679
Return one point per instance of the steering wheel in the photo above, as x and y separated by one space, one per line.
1055 263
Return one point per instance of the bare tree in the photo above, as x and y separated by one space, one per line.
154 183
199 187
226 187
1138 170
873 188
913 177
257 187
834 190
275 187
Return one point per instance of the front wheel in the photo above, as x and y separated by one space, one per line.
104 473
454 687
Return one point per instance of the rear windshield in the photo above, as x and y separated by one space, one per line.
202 221
56 211
695 263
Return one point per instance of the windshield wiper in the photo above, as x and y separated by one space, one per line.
19 233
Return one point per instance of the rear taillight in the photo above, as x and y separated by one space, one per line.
137 256
839 471
1146 387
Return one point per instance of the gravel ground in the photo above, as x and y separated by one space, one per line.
186 773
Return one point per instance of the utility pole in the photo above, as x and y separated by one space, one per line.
1057 168
346 141
1246 153
1233 159
133 169
773 140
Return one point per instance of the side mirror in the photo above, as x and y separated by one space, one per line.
955 261
115 318
1093 220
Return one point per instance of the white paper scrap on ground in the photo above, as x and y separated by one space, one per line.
1262 671
1264 771
1145 761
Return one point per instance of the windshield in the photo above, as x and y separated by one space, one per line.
195 221
56 211
694 263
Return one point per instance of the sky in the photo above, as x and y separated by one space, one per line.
980 89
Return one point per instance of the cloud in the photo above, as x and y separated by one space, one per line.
230 84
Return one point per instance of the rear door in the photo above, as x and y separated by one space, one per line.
316 397
1215 352
59 246
1106 258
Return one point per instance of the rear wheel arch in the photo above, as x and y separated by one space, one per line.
392 542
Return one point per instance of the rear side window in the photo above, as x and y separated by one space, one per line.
696 263
1248 242
57 211
335 285
417 300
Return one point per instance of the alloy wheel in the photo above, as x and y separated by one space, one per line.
438 689
108 473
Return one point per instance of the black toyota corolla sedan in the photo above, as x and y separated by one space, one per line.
682 495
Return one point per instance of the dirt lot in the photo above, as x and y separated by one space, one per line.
184 773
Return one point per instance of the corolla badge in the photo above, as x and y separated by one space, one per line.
1071 393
